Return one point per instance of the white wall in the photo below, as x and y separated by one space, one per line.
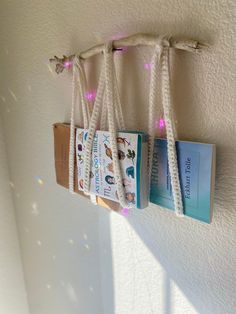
78 258
13 297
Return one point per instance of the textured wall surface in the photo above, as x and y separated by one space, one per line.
78 258
13 298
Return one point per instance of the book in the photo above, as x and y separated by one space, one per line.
196 163
133 154
61 154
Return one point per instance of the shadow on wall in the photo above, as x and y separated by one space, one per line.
194 255
199 258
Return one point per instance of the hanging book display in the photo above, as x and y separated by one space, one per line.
119 169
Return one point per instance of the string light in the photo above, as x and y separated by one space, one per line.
147 66
68 64
90 95
125 211
160 124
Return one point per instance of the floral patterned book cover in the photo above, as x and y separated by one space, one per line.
132 152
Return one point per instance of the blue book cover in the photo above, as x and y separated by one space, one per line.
132 152
196 163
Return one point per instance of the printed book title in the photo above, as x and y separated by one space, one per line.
187 184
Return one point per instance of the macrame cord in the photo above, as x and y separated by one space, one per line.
110 95
111 109
118 108
171 148
153 101
108 107
161 55
78 84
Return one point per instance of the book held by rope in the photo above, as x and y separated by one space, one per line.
133 154
196 163
198 206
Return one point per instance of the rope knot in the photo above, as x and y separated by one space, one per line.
165 41
108 47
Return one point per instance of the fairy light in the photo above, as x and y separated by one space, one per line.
147 66
90 95
125 211
160 124
68 64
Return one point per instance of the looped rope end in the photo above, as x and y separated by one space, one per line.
108 47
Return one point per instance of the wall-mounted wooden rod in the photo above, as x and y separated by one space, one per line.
131 41
142 40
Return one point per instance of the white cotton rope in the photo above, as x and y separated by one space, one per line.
110 100
108 107
153 102
80 79
72 129
118 107
103 120
171 148
161 55
86 111
91 131
103 117
84 102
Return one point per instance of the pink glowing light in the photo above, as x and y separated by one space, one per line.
160 124
67 64
125 211
90 95
147 66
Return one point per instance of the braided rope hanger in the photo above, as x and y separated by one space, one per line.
84 113
91 122
161 55
111 105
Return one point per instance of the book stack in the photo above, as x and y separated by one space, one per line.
196 163
132 152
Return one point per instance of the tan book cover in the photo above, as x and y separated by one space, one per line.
61 156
